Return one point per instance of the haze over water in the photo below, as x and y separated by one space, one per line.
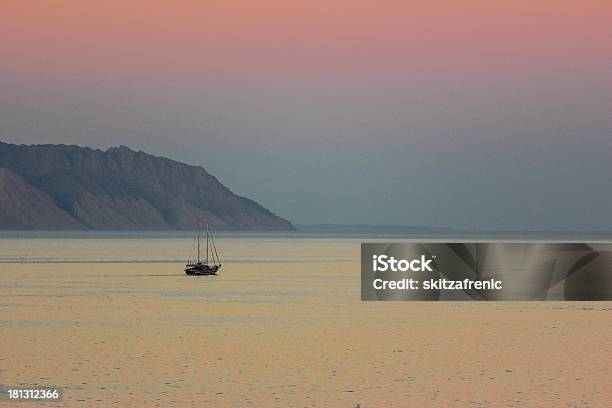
112 318
304 106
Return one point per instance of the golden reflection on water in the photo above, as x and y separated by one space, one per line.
117 323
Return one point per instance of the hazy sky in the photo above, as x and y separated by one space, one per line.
468 114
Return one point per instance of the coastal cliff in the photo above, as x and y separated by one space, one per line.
73 187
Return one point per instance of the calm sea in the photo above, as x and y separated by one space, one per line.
234 247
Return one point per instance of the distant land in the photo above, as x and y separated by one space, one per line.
373 229
416 231
68 187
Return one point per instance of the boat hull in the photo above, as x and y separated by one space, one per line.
201 269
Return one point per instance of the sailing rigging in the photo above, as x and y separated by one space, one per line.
211 264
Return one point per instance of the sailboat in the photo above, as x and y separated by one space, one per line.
211 264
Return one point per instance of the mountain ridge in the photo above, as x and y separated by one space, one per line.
118 189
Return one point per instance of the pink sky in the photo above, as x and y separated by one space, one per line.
303 39
300 104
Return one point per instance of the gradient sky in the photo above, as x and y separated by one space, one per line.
466 114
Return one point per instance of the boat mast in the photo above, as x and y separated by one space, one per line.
207 243
214 251
198 242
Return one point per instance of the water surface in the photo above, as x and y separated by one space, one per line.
113 319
